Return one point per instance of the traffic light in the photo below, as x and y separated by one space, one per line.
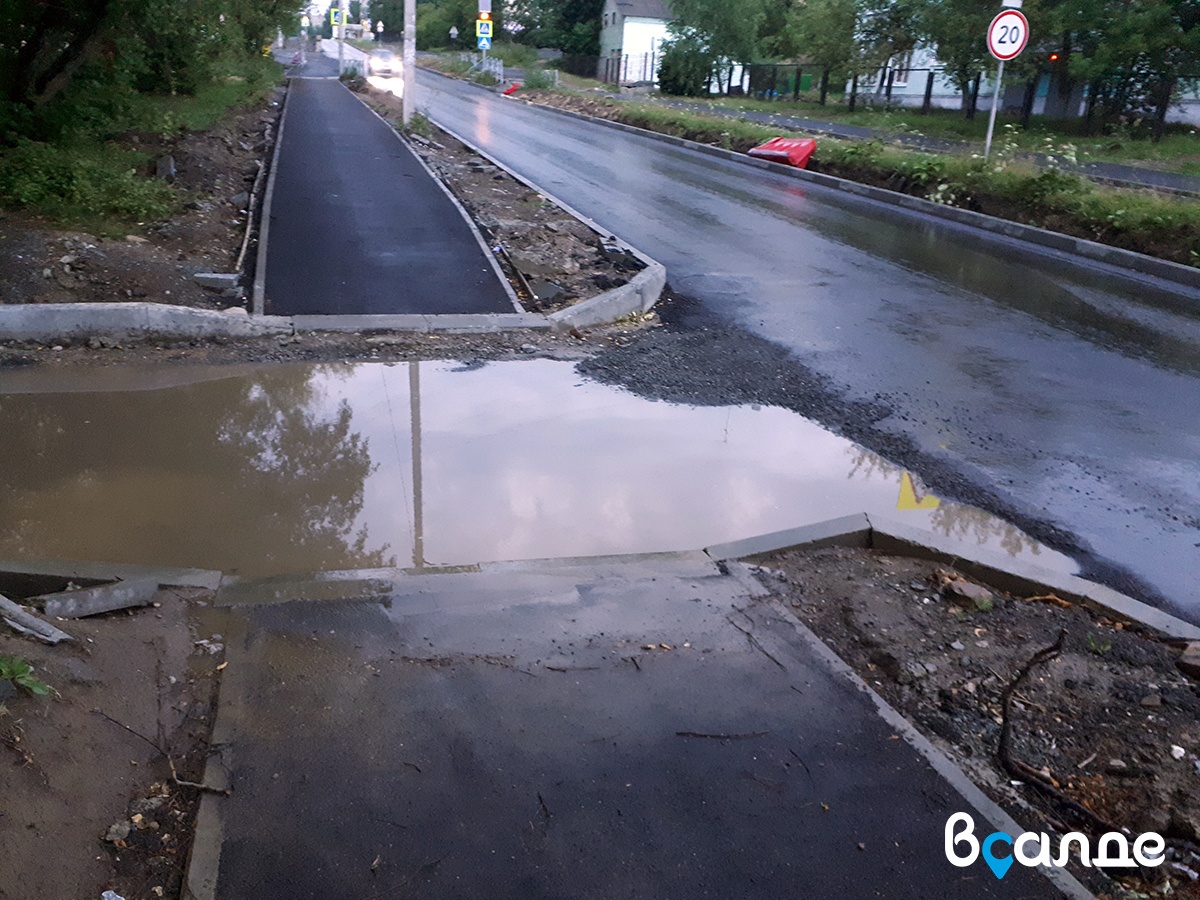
1053 57
484 16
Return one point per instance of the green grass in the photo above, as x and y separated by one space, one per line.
1179 151
239 86
1164 226
83 181
20 673
86 175
517 56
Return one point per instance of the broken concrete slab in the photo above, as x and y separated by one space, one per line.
165 169
1189 660
100 599
28 624
218 281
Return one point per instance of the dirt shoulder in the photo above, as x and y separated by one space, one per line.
551 259
1105 733
89 802
215 172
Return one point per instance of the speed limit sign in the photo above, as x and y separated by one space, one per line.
1007 35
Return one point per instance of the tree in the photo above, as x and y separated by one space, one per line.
434 21
886 29
152 44
730 29
1133 57
958 30
823 33
686 65
572 26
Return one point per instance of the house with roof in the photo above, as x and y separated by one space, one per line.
631 37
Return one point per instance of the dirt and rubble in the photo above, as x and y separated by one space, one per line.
1104 731
214 172
97 776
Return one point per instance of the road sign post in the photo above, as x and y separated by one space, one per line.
1006 37
483 27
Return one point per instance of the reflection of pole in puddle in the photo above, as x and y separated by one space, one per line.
913 498
483 123
414 392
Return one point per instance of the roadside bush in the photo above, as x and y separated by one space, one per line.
539 79
80 182
516 56
686 66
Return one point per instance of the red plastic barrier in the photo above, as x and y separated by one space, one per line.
789 151
512 89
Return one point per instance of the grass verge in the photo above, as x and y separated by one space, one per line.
1179 151
1163 226
88 175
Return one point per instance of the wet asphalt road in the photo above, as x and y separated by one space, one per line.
358 226
1057 394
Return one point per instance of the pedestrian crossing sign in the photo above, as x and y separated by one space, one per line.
483 28
484 43
335 16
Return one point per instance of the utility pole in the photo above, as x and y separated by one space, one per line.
342 38
410 60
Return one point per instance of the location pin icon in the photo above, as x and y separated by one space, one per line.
998 864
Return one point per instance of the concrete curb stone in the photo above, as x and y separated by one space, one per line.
1014 576
50 321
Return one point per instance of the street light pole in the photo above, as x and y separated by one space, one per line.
410 60
342 37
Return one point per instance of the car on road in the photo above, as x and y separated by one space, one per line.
384 62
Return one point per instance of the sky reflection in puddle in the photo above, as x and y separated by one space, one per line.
287 469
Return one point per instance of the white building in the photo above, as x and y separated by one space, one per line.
910 81
631 37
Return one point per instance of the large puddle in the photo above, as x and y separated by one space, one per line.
299 468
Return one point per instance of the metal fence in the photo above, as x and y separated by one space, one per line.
480 63
629 68
890 86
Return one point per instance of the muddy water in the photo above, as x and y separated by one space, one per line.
289 469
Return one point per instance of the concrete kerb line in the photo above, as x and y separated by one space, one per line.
1006 574
49 322
258 295
483 245
1049 240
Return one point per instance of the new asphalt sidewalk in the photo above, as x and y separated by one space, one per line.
356 225
630 727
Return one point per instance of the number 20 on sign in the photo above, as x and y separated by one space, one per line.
1007 35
